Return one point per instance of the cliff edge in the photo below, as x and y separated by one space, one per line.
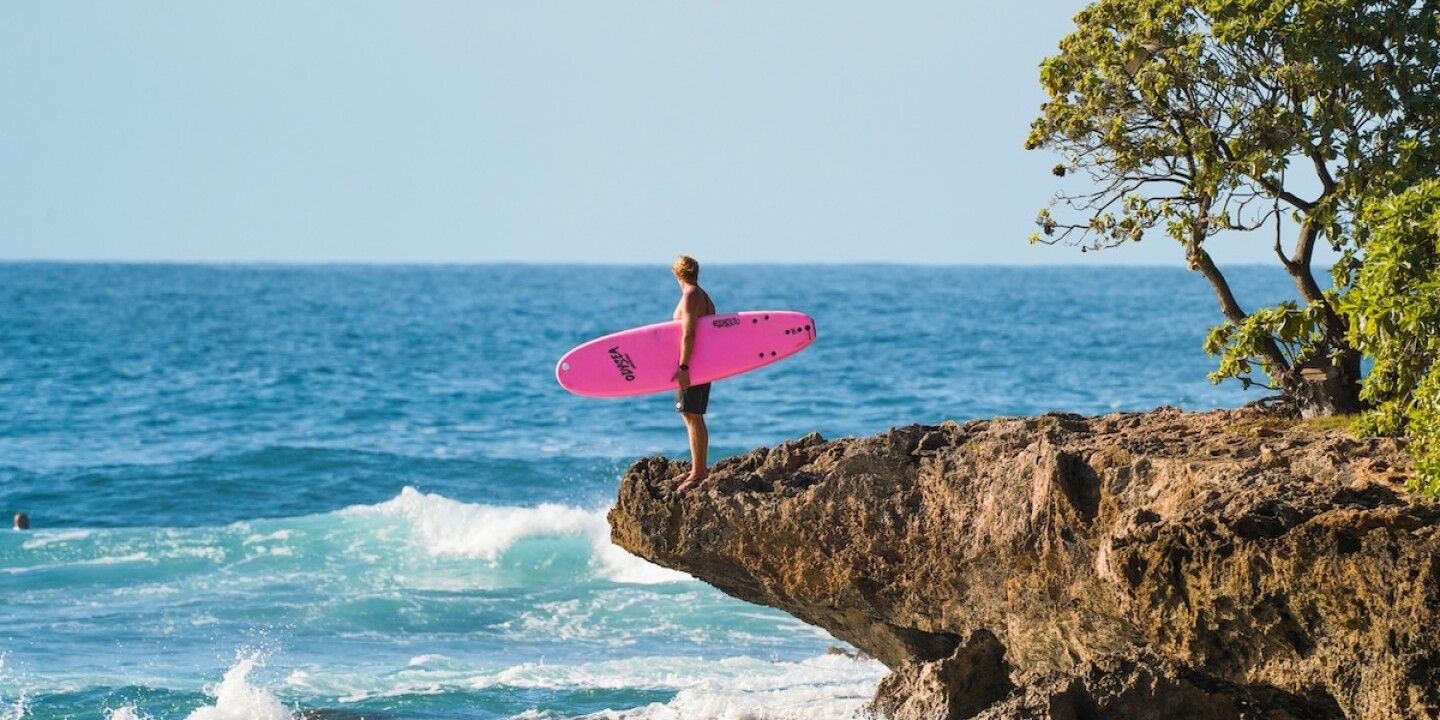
1226 564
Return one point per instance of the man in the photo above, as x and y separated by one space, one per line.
691 401
22 521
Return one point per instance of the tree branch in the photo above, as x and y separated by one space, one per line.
1280 192
1275 361
1326 180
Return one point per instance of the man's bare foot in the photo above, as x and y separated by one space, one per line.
690 481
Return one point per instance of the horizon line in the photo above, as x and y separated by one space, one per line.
588 263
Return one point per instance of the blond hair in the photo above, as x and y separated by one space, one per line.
686 268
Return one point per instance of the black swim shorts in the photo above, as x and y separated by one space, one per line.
693 400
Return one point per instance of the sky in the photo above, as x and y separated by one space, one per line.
537 131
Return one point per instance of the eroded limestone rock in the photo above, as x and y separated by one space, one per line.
1070 567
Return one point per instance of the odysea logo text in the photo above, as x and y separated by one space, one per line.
727 322
623 363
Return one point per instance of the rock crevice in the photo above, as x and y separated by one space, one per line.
1230 563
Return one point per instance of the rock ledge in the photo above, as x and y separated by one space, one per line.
1137 565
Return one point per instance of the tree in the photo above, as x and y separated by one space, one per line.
1202 117
1393 310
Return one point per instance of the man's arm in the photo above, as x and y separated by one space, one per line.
689 318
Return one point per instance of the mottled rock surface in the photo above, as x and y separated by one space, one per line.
1136 565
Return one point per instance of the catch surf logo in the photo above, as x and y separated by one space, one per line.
623 363
726 322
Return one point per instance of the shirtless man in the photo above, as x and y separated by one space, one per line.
690 401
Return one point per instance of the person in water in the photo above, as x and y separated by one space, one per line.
691 400
22 521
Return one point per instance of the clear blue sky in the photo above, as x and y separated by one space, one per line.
530 131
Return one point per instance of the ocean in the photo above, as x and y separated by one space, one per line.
264 492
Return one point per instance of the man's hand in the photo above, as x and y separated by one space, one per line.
682 377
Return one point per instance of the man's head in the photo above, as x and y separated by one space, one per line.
22 521
686 269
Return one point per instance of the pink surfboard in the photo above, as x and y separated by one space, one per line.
642 360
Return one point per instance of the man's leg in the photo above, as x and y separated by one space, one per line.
699 447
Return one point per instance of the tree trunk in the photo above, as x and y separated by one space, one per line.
1321 386
1324 387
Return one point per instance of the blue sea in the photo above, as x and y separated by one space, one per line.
264 492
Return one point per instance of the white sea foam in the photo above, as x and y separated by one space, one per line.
126 712
237 699
621 566
450 527
11 708
831 686
139 556
446 527
828 686
50 537
277 535
805 703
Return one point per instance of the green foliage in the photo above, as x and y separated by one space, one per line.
1394 316
1424 429
1297 331
1195 118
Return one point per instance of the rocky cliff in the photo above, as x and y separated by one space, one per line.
1154 565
